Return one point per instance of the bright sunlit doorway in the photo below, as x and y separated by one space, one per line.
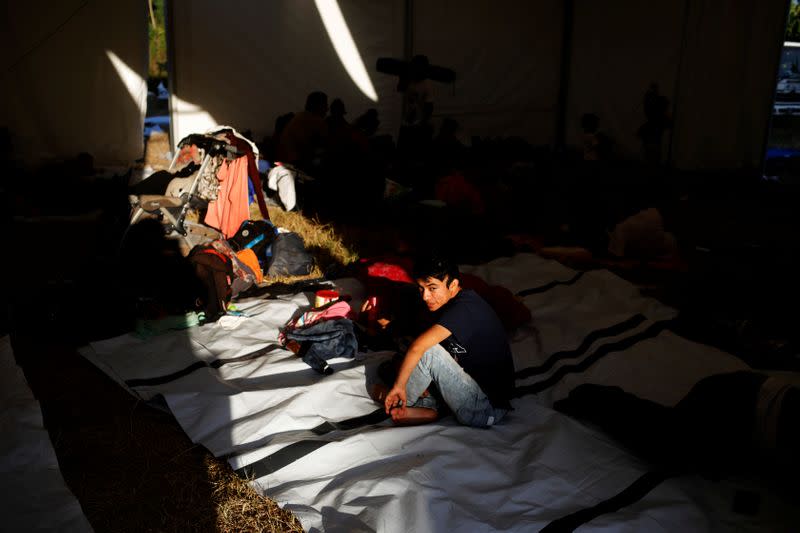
157 118
782 161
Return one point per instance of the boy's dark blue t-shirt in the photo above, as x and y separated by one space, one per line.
479 344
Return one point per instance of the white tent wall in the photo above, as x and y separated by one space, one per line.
61 92
245 63
506 57
727 82
618 49
716 63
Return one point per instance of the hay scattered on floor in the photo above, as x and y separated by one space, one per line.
157 151
132 467
239 508
321 240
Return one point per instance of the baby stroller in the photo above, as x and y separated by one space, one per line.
188 186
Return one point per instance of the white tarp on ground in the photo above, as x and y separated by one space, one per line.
319 445
35 497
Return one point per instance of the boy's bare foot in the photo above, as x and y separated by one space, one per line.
413 416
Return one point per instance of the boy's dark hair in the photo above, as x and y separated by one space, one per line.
437 267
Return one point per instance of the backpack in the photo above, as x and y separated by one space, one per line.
215 271
256 235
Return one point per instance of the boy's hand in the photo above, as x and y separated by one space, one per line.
395 402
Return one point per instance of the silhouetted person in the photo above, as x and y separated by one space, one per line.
380 147
336 118
725 423
306 132
281 122
416 131
368 122
417 92
657 120
160 281
596 145
343 139
447 148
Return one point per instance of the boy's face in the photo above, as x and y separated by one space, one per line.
435 293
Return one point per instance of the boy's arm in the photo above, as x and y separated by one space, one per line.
396 397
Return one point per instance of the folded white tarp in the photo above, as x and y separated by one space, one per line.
35 497
322 448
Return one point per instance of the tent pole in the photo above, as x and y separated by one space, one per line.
169 26
676 89
768 130
408 30
408 45
566 60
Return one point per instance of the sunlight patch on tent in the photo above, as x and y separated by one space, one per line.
345 47
134 83
189 118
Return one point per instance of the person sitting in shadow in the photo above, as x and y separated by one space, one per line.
416 131
161 282
657 121
381 147
305 134
724 425
368 122
343 138
336 120
596 145
448 150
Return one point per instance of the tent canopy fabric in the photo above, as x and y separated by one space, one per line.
74 71
74 79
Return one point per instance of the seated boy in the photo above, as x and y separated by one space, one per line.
465 354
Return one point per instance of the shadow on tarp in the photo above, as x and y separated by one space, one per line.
131 467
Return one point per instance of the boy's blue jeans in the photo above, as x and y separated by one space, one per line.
459 391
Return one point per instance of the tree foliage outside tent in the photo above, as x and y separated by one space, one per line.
157 67
793 22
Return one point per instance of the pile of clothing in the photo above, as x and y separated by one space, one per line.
204 202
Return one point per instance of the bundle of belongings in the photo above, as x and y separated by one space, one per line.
203 203
229 267
321 333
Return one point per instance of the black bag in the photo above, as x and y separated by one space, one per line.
289 256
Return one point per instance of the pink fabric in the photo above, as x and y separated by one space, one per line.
231 207
339 309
